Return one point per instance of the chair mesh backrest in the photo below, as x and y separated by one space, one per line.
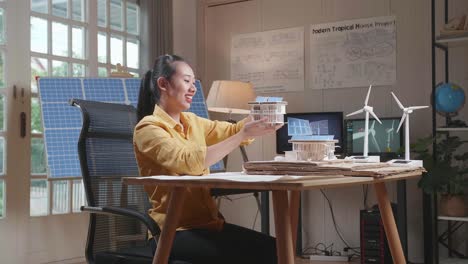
106 155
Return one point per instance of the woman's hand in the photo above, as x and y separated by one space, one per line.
258 128
251 129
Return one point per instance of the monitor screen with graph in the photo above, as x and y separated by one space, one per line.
384 140
314 123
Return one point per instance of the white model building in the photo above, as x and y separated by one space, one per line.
271 107
313 150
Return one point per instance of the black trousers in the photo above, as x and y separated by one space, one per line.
234 244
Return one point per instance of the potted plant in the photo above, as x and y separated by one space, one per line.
446 174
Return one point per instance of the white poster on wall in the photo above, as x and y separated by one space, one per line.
353 53
273 61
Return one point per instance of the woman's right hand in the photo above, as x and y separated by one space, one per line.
258 128
251 129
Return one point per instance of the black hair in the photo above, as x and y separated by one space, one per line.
149 91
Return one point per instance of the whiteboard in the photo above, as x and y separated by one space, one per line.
273 61
353 53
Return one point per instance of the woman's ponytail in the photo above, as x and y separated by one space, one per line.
146 99
150 93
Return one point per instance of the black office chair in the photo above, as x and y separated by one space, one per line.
119 223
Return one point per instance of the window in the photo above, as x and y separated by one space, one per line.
62 34
118 35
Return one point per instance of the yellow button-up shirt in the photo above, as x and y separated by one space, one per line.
164 147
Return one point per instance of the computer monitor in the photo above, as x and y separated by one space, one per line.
384 140
321 123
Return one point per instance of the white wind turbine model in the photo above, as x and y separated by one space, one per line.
371 133
406 113
368 110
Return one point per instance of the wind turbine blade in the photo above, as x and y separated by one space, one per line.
401 121
398 101
417 107
376 144
376 118
373 124
368 93
356 112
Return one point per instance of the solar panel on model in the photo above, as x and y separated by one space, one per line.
298 127
62 123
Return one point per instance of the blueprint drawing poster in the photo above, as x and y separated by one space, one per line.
273 61
353 53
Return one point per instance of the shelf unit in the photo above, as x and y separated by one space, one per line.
452 218
431 217
452 42
451 129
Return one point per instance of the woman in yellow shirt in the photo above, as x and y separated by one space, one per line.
169 141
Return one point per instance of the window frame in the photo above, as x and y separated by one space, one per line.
90 44
125 36
4 97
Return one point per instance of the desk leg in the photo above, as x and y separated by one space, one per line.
176 199
284 244
389 223
294 204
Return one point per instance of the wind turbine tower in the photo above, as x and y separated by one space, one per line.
406 114
369 110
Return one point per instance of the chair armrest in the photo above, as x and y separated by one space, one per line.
145 218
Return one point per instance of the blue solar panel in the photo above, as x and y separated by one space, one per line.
263 99
319 127
132 88
199 108
60 90
199 96
217 167
198 105
298 127
104 90
62 154
313 137
60 115
62 123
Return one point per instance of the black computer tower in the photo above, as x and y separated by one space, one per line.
374 245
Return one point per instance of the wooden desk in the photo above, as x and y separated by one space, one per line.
285 210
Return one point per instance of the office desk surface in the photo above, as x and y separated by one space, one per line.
285 207
302 183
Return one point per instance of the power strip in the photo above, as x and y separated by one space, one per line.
328 258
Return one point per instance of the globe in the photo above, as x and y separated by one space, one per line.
449 99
